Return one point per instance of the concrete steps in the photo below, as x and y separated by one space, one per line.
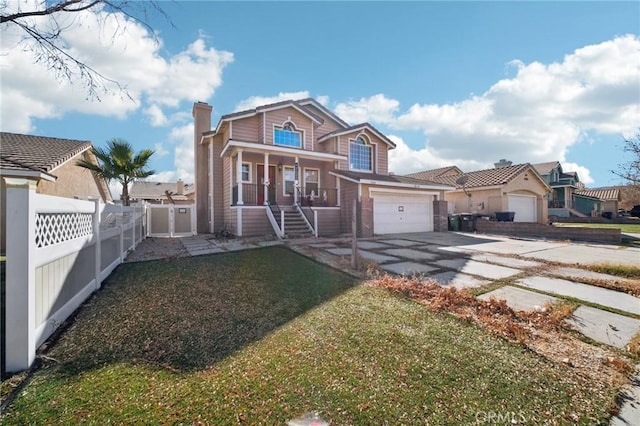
295 225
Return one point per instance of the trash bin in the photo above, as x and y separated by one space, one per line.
505 216
454 222
467 222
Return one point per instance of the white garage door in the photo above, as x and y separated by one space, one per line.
402 213
524 207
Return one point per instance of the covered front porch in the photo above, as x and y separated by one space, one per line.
282 190
271 175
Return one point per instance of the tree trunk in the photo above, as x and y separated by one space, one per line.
125 193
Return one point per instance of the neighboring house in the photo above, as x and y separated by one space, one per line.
52 163
442 172
162 193
515 188
299 158
607 198
561 200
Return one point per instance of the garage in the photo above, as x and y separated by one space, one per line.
524 207
399 213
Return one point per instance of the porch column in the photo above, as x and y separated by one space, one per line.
296 182
20 274
239 177
266 178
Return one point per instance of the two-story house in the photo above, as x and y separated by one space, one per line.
294 167
567 197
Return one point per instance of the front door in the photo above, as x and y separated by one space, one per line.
272 184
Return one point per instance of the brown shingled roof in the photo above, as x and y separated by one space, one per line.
285 103
359 176
145 190
600 193
442 171
355 128
27 152
483 178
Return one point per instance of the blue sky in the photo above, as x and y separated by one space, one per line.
463 83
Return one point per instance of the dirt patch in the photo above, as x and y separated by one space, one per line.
157 248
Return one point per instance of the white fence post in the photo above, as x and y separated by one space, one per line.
134 211
96 237
315 223
20 274
121 233
282 222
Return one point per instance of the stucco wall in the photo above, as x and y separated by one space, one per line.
489 201
73 181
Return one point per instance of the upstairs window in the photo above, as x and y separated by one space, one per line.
287 135
360 155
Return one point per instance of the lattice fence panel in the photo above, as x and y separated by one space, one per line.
54 228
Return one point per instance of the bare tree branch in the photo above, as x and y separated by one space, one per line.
630 170
48 44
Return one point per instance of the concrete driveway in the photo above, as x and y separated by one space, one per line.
528 281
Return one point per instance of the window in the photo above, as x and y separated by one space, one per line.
311 181
287 136
289 178
360 155
246 172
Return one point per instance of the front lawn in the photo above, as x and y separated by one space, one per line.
623 227
263 336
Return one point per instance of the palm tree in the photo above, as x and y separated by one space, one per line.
117 161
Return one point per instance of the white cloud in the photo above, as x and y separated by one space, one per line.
181 140
583 173
121 50
533 117
255 101
160 150
182 137
156 116
376 108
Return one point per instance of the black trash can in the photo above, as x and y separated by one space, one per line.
505 216
467 222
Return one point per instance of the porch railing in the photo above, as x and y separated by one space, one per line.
554 204
253 194
319 197
307 213
276 218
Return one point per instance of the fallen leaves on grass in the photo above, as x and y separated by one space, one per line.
541 331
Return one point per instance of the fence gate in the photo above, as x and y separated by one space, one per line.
169 220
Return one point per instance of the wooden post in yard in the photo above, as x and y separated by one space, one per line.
354 233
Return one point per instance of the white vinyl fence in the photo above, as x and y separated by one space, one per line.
58 252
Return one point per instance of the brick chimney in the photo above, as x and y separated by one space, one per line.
180 187
201 124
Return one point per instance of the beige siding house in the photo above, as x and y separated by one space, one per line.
52 162
516 188
162 192
295 167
